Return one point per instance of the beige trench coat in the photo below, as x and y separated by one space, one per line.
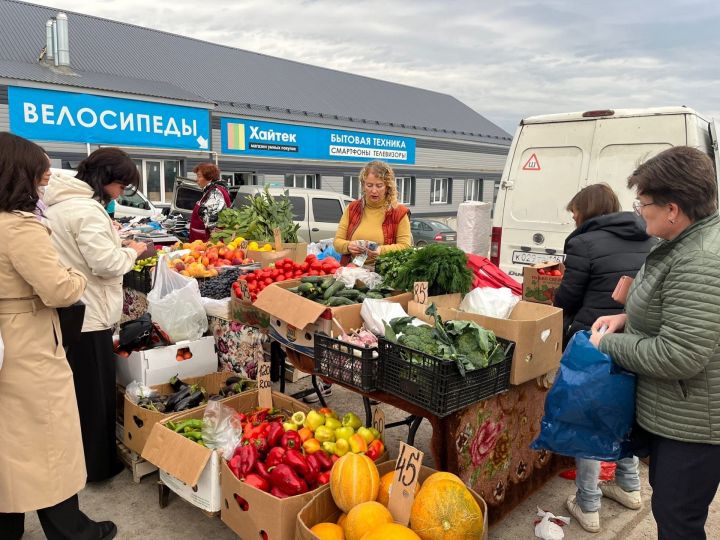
41 455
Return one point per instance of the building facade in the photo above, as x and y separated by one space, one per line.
172 102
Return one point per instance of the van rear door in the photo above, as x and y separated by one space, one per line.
549 166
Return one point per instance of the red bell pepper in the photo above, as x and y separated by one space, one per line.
257 481
296 460
323 478
375 449
284 478
313 468
291 439
274 457
325 462
262 470
279 493
249 456
274 434
234 465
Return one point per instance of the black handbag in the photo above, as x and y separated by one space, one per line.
136 334
71 322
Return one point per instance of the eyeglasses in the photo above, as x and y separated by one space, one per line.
638 206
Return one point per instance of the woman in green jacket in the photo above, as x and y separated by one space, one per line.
671 335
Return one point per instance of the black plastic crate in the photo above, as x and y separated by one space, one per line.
436 384
141 281
345 363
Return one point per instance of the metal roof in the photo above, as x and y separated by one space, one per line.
166 65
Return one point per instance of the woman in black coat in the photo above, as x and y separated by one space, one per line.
606 245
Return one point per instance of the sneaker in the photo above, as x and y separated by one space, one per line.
629 499
590 521
108 530
326 390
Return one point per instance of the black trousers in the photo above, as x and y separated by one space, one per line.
684 477
64 521
93 366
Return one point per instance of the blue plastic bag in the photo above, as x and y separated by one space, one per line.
329 252
590 409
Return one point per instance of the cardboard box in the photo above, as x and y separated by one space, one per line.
539 288
191 470
245 312
298 251
322 508
266 258
535 328
294 320
156 366
139 421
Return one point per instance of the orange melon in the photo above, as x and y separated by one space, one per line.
341 519
442 476
446 510
354 479
385 483
328 531
391 531
365 517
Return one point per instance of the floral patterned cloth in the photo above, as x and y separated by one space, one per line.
239 347
492 440
134 304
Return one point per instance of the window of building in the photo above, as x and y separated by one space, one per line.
309 181
351 186
440 191
473 189
326 210
158 178
406 189
239 178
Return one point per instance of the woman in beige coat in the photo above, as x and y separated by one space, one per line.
41 458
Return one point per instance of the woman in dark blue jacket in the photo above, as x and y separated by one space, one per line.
606 245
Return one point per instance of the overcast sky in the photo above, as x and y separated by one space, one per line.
506 59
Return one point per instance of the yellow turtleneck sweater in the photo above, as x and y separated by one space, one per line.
370 229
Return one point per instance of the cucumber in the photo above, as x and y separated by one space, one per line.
306 288
294 290
312 279
374 295
334 288
360 298
336 301
327 282
348 293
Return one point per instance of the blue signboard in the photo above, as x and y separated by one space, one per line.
50 115
253 138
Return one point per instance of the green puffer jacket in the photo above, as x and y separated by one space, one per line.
671 336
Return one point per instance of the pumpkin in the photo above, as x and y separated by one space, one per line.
354 479
391 531
442 476
446 510
385 483
364 518
328 531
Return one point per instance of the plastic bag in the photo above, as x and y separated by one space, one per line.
316 248
222 429
590 409
548 528
136 391
329 252
175 304
491 302
350 275
375 313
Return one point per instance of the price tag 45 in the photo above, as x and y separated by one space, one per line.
405 479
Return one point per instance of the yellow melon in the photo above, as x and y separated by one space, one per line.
365 517
328 531
354 479
391 531
446 510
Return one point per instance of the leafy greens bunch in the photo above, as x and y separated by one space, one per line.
257 219
466 343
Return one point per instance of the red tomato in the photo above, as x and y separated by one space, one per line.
317 265
310 258
250 277
281 277
268 280
304 267
313 273
297 273
556 273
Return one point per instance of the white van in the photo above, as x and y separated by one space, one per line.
553 156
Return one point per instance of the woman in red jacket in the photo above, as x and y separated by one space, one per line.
215 198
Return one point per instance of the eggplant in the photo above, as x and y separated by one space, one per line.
232 380
192 400
176 383
174 399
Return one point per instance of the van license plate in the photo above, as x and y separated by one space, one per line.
532 257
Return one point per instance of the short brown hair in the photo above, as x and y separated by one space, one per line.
681 175
592 201
105 166
209 171
22 164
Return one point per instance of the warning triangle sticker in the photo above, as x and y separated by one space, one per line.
532 164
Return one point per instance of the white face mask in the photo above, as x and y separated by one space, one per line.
41 191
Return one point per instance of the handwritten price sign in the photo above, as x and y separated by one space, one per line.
244 292
264 384
420 292
378 420
402 489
